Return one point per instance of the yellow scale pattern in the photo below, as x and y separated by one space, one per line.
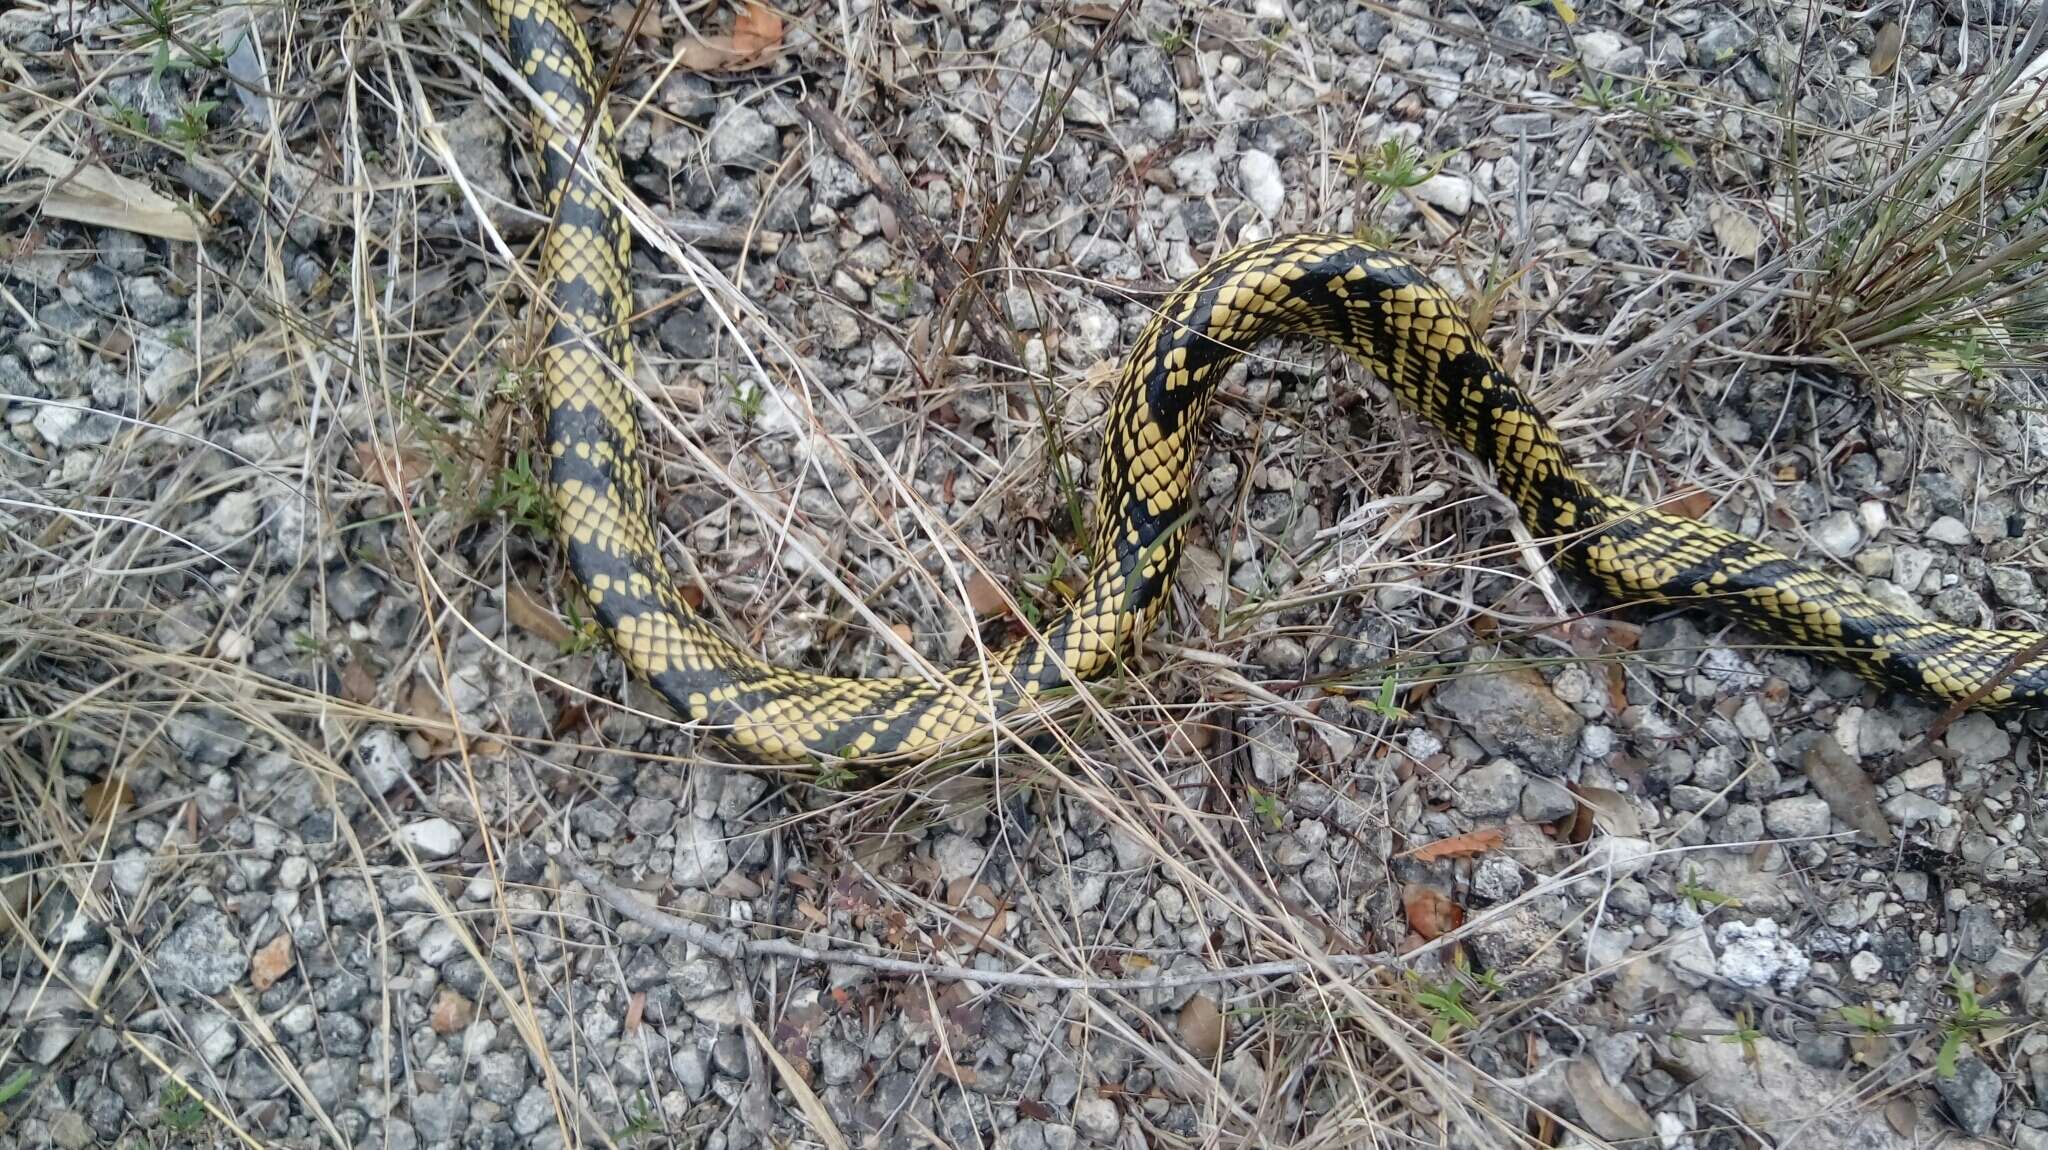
1372 304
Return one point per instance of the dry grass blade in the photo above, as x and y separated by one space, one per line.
820 1120
87 192
1945 277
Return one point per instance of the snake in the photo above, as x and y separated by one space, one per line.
1369 302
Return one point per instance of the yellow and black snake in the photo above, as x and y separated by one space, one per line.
1368 302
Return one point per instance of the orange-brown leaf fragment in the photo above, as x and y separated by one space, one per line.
270 963
964 1075
1201 1026
1462 846
1430 913
530 614
451 1012
984 596
1694 504
107 798
757 30
358 685
1884 56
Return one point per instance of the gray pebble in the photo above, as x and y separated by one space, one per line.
2015 588
1743 823
1095 1117
1275 758
1686 797
1720 43
1490 791
252 1077
352 592
1978 739
729 1055
1514 711
692 1068
1949 530
1977 934
1496 878
701 856
443 1115
1800 816
331 1081
742 138
1837 534
150 304
203 955
1521 23
1971 1094
1546 800
383 760
1960 605
501 1076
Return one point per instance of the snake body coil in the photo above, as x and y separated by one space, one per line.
1370 303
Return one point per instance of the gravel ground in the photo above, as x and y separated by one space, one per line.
326 822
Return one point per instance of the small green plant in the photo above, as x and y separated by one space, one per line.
748 397
512 384
15 1084
1267 807
1746 1035
1394 166
1704 897
1446 1005
132 119
1865 1019
584 634
1600 92
180 1110
517 491
191 127
1969 1018
1384 705
833 778
640 1124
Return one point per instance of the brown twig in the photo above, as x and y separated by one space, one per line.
733 946
991 336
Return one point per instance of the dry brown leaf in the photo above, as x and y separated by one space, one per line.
1201 1026
1841 780
1900 1112
1694 504
756 30
1607 809
1461 846
1609 1111
1430 913
395 473
530 614
1617 688
1884 56
270 963
106 799
964 1075
756 40
636 1008
984 596
357 684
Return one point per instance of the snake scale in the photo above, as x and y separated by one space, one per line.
1368 302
